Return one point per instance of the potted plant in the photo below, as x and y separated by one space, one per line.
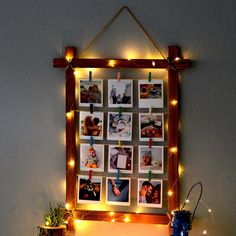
54 221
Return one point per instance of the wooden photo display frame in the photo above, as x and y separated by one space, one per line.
174 64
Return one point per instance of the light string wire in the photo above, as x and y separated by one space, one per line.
103 30
198 201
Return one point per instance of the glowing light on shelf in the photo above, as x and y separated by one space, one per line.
112 213
111 63
204 232
153 63
113 220
127 219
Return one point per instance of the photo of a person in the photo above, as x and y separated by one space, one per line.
151 159
150 93
118 191
91 125
120 157
92 158
90 92
120 93
151 126
119 127
89 190
149 193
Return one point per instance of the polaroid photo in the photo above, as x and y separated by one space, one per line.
151 126
151 159
150 94
89 191
90 92
91 157
91 124
120 157
120 93
119 127
149 193
118 191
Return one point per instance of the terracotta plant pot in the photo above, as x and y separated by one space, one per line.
52 231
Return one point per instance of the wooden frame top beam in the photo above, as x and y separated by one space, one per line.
179 64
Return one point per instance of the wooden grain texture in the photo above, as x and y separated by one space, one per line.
173 132
121 63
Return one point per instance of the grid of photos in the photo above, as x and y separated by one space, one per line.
149 193
90 92
118 191
118 159
119 126
120 93
151 126
89 190
91 124
151 159
91 157
150 94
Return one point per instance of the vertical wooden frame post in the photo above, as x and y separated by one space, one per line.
71 155
173 131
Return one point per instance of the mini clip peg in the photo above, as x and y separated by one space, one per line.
91 108
149 76
149 175
120 111
91 141
118 76
90 174
118 174
150 143
90 76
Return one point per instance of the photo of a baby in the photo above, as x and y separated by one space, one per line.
91 125
151 159
91 157
90 92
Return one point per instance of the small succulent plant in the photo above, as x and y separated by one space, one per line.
55 216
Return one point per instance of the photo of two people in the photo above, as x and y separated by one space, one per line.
89 190
91 124
149 193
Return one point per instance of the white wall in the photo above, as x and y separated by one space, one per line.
32 153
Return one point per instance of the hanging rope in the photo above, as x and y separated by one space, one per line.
103 30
